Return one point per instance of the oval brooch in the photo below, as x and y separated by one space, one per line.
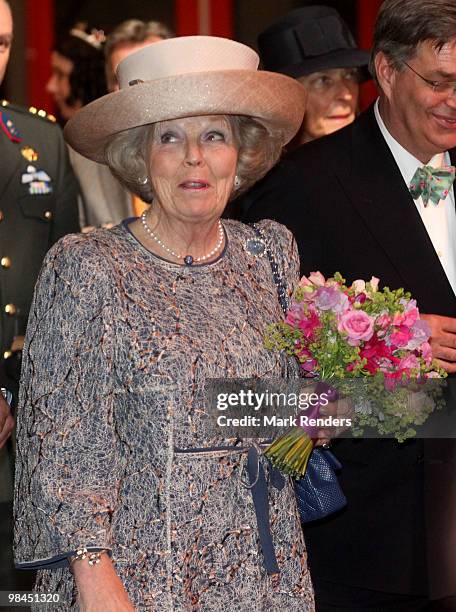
255 246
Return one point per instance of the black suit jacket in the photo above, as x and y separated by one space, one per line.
30 223
345 200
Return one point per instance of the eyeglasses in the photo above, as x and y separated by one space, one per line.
443 88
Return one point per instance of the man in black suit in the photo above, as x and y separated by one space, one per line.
346 198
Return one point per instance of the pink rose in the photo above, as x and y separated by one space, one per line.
357 325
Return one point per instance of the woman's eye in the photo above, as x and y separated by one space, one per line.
215 136
323 82
168 137
352 75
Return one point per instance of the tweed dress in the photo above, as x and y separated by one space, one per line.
112 415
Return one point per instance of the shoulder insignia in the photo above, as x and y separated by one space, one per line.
41 113
32 110
8 127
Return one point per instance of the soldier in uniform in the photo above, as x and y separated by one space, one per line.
38 205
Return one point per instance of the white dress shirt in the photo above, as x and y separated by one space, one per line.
439 219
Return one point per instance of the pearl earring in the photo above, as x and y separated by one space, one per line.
237 182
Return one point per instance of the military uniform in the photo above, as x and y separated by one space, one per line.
38 205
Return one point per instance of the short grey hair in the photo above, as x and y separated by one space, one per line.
135 31
403 24
259 149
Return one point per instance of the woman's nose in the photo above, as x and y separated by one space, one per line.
50 85
193 155
344 91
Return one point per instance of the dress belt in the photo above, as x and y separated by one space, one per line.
257 483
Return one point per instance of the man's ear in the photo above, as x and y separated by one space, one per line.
386 73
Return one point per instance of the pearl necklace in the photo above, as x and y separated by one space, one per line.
187 259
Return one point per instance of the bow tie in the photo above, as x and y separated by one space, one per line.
432 183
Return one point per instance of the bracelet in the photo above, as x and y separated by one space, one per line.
92 557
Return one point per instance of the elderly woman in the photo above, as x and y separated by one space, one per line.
127 498
314 45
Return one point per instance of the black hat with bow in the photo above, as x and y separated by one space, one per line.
310 39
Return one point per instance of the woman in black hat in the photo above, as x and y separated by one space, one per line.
314 45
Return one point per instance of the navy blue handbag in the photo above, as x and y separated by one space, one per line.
318 492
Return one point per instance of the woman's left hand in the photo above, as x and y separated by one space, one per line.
340 409
100 588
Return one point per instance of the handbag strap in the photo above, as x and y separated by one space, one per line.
278 280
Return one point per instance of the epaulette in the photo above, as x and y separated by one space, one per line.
31 110
41 113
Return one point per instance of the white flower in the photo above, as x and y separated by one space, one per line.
359 286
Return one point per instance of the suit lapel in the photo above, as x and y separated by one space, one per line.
10 162
378 192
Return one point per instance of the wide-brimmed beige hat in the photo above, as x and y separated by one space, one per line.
184 77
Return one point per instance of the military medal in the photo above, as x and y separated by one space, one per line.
30 154
38 181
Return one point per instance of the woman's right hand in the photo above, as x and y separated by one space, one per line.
99 587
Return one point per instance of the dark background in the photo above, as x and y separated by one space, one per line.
250 17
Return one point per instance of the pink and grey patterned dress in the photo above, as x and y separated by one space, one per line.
114 451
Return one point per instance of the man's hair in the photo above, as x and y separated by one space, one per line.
403 24
134 31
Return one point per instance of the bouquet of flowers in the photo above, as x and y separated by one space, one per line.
339 333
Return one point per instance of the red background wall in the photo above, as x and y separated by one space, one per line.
190 16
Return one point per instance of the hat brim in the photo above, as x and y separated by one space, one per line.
341 58
275 100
